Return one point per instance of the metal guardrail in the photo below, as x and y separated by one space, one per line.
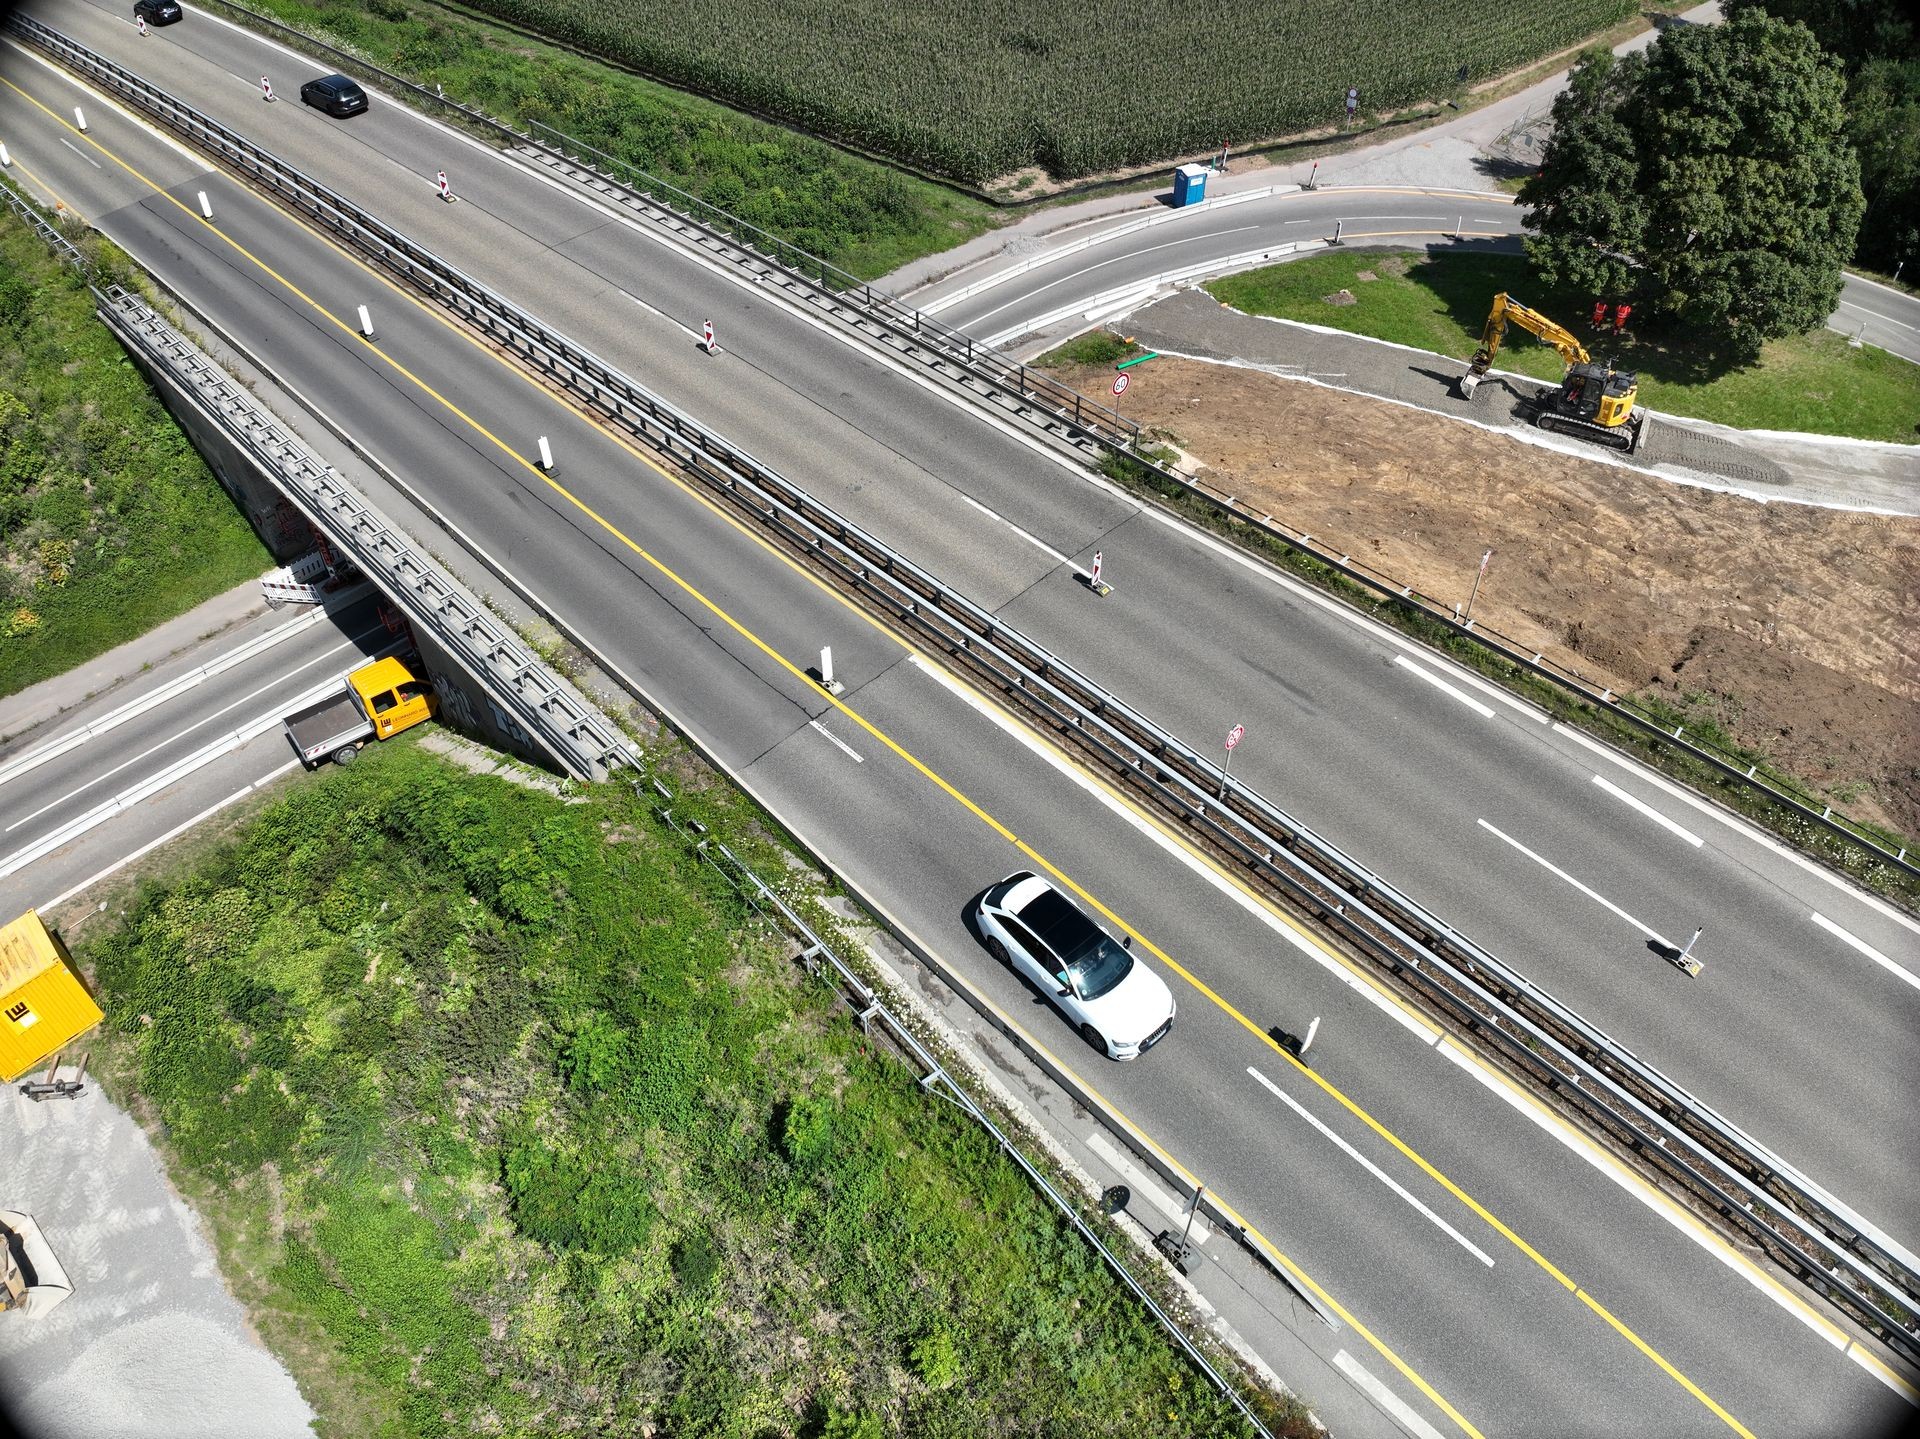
564 724
822 285
871 1011
1641 1110
1103 430
45 228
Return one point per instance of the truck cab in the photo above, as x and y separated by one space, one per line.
377 702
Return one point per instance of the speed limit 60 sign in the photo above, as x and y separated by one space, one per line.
1235 735
1120 384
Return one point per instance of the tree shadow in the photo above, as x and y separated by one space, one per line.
1466 277
1504 167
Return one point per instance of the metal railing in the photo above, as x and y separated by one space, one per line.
46 229
1102 430
565 725
1719 1167
872 1012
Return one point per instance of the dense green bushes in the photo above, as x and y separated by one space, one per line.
527 1131
109 520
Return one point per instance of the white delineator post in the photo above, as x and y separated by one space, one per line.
827 682
366 325
206 207
546 455
80 119
266 89
6 160
1312 1029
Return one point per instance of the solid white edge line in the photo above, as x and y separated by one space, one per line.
1367 1164
1868 950
1648 810
1740 826
835 740
1433 679
1376 1389
1425 1033
171 834
1591 894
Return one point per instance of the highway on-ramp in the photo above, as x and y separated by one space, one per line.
705 620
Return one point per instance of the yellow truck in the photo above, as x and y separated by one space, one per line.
377 702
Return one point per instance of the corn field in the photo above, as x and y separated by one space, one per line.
975 89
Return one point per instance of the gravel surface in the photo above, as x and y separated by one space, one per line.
150 1344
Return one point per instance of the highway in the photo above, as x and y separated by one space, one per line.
135 761
1509 1336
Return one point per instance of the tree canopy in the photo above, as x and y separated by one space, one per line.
1707 178
1878 43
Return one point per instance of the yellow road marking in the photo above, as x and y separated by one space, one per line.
918 765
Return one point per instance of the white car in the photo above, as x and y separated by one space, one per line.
1119 1005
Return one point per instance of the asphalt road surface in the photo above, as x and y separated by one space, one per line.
702 618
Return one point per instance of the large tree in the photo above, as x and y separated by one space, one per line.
1878 43
1709 179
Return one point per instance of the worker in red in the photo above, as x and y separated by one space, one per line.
1620 313
1599 314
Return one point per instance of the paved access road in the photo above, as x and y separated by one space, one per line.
1527 1350
150 753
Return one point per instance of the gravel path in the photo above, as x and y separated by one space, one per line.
1840 474
150 1345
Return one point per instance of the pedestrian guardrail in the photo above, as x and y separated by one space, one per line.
1717 1166
563 723
45 229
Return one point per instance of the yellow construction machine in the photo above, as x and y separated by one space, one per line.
1594 402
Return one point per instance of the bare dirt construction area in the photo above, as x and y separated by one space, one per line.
1792 627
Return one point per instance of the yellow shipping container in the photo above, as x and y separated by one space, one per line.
43 1005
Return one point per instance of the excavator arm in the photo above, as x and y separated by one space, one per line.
1507 310
1594 402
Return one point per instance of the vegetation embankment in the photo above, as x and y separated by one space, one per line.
978 92
864 216
509 1117
1815 382
110 522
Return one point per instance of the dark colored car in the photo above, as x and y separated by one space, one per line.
158 12
335 94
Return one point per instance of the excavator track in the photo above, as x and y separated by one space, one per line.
1624 438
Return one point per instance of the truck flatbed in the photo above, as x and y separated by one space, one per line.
328 726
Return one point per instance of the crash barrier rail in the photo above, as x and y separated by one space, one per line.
45 228
1103 430
1032 394
871 1012
583 743
1638 1108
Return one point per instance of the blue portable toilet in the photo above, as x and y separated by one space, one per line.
1189 184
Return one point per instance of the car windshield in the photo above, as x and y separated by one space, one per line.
1093 961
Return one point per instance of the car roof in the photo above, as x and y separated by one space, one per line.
1061 926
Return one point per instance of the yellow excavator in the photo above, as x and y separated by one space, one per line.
1594 402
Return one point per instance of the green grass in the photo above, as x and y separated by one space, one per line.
508 1118
866 217
109 520
1811 382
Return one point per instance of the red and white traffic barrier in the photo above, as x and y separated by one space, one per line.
140 24
446 190
706 337
1098 560
266 88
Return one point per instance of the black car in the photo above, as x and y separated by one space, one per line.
335 94
158 12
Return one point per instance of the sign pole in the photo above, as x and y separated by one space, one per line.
1468 619
1234 736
